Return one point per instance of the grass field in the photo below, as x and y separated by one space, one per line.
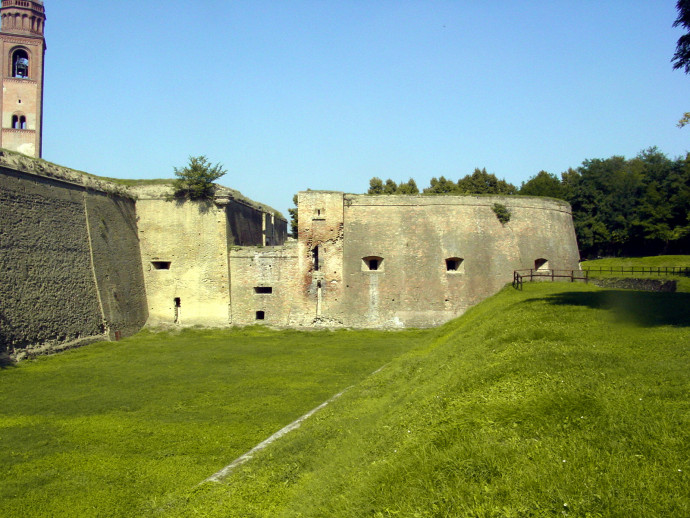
560 399
111 429
659 261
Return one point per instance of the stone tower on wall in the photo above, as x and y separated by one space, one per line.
21 62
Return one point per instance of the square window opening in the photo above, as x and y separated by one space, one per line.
260 315
455 265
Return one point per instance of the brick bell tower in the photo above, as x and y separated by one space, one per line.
21 63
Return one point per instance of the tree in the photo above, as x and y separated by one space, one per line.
441 186
543 184
390 187
481 182
195 180
375 186
294 222
681 59
410 187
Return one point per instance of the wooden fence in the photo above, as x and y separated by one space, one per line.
520 276
632 270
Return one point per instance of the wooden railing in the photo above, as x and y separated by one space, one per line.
520 276
633 270
587 272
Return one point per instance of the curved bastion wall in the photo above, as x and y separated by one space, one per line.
397 261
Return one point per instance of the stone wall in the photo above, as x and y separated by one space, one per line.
184 250
264 284
112 228
184 257
400 261
69 261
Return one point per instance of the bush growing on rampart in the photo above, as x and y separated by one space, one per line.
195 181
502 213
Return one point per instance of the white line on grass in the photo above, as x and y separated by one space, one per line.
217 477
220 475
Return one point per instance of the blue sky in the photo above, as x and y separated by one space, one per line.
291 95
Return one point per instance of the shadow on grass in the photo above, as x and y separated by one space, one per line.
637 307
6 361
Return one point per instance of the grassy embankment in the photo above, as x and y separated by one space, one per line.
560 399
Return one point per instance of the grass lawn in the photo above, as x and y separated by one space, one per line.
561 399
657 261
111 429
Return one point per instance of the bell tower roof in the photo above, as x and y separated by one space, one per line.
25 17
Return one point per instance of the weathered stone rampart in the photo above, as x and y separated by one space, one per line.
184 247
399 261
70 266
83 258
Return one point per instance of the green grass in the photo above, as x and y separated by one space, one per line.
111 429
131 182
562 399
657 261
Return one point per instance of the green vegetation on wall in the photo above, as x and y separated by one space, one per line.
195 180
502 212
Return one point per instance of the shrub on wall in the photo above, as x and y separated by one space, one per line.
502 213
195 181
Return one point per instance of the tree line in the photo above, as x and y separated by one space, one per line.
638 206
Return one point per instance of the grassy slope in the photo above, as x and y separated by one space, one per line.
561 399
112 428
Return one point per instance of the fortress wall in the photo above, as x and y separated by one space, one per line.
279 232
117 263
245 224
414 235
184 257
252 226
48 292
320 250
266 280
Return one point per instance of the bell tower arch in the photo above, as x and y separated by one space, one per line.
22 48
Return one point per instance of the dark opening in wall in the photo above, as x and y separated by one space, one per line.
372 264
178 305
260 315
160 265
541 264
315 257
263 289
455 264
20 64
